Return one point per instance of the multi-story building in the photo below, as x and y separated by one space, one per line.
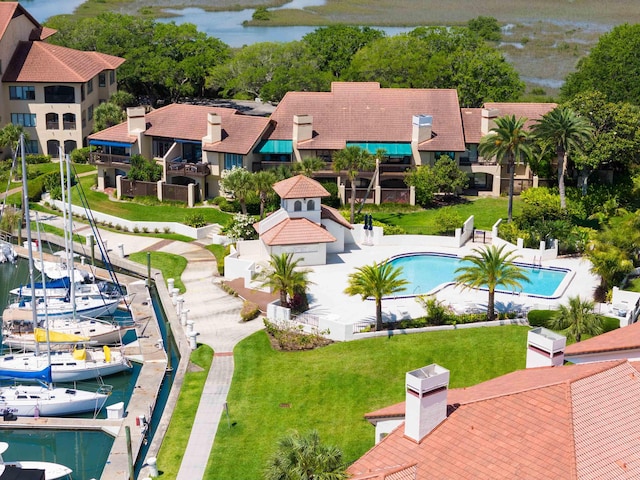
51 91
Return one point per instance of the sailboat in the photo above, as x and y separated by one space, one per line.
52 471
71 365
44 399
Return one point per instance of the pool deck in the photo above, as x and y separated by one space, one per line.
327 297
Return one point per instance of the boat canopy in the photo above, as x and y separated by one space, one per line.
41 375
40 335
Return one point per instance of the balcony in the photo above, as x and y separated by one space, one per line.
188 169
109 160
69 125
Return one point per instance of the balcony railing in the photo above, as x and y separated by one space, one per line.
54 125
69 125
107 159
188 169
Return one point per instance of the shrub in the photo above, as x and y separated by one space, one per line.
609 323
438 313
332 188
447 220
136 230
195 219
167 230
390 229
33 159
290 336
249 311
145 230
261 14
540 318
241 228
80 155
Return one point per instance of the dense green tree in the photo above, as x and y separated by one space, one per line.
611 67
423 181
238 183
284 277
304 457
509 143
377 281
486 27
123 99
107 115
449 179
144 170
10 137
609 262
576 319
353 160
490 268
334 46
566 131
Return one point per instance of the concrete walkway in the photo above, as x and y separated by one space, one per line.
216 317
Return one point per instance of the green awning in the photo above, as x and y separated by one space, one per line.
274 146
390 148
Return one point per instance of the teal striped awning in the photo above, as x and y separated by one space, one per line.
390 148
274 146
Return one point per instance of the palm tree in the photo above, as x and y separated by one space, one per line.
576 319
609 262
10 137
263 184
353 159
508 141
565 130
377 281
237 182
303 457
490 268
284 278
309 166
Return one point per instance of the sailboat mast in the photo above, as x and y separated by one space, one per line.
27 215
44 295
71 263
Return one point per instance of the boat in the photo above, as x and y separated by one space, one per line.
60 289
71 365
31 470
85 306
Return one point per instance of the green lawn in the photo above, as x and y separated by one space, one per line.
486 212
177 436
100 202
330 389
169 264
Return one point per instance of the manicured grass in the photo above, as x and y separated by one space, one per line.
177 436
486 212
56 231
330 389
100 202
169 264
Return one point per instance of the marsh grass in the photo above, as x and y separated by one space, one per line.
331 388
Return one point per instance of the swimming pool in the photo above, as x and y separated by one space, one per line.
429 272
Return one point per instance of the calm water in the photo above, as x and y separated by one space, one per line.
425 272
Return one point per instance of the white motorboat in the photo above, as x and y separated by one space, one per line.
52 471
67 366
46 401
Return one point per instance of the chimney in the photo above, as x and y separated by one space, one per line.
422 128
136 120
214 128
545 348
426 400
488 117
302 128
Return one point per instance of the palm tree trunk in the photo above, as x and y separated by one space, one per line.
562 168
353 200
491 313
283 298
243 207
262 202
378 314
511 167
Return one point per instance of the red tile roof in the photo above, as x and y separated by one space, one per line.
300 186
472 124
531 111
364 112
566 422
296 231
189 122
332 214
626 338
43 62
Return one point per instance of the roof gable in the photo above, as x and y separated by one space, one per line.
626 338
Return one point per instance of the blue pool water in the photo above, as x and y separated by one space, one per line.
425 272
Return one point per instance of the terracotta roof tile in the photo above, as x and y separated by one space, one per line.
472 123
626 338
566 422
531 111
364 112
296 231
300 186
189 122
333 214
43 62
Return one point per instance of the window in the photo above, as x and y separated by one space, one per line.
31 146
297 206
82 92
451 155
84 118
192 152
70 146
22 93
53 148
311 205
161 146
59 94
112 77
90 86
24 119
69 121
53 121
90 112
102 79
232 160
